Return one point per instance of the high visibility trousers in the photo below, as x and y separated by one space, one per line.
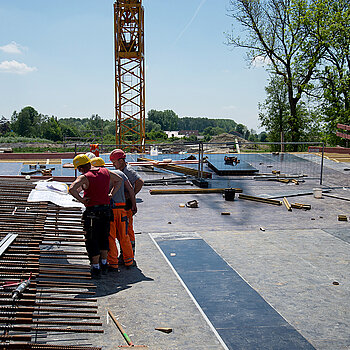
119 229
131 232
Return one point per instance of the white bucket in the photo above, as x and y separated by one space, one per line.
318 192
154 151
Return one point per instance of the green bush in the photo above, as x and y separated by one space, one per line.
42 149
15 139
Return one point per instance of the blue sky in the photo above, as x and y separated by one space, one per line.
57 56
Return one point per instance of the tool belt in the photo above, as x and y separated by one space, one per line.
128 204
96 212
115 205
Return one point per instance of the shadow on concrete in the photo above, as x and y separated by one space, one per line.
115 282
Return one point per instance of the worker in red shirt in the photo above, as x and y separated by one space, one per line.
99 185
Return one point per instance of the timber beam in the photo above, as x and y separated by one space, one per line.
192 191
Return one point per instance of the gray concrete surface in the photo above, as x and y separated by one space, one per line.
290 258
292 263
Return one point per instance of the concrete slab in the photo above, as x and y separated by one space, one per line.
290 266
150 296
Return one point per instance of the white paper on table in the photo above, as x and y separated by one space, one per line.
54 192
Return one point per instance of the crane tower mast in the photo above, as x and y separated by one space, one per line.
129 73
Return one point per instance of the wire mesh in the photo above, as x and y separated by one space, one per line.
260 158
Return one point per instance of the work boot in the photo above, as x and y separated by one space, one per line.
132 265
113 268
95 273
121 260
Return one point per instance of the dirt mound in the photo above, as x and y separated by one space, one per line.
225 137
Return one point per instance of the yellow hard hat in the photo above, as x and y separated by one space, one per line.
97 161
81 159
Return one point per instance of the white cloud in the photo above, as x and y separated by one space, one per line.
13 47
260 61
15 67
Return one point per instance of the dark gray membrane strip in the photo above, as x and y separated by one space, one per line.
241 317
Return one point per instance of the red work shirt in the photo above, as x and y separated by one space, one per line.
98 189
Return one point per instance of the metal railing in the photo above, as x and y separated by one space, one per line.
262 156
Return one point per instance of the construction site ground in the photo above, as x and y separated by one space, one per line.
233 274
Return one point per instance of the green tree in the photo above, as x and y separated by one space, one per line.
108 130
95 123
217 130
27 122
168 119
68 130
191 123
262 137
191 138
150 126
240 128
209 131
156 135
253 137
277 32
51 129
274 112
4 126
334 75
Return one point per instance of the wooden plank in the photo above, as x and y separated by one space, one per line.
177 168
192 191
300 206
286 203
260 199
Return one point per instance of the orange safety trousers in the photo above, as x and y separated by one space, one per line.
119 230
131 232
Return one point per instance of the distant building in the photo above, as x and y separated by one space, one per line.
174 134
182 133
188 133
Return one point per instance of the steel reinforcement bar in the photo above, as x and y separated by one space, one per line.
41 234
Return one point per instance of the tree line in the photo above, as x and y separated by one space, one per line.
169 120
30 123
305 47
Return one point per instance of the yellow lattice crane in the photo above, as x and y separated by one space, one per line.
129 73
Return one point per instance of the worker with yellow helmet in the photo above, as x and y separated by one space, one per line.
97 161
119 226
99 185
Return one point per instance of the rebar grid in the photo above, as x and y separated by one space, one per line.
46 234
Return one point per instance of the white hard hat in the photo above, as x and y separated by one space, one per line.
90 155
